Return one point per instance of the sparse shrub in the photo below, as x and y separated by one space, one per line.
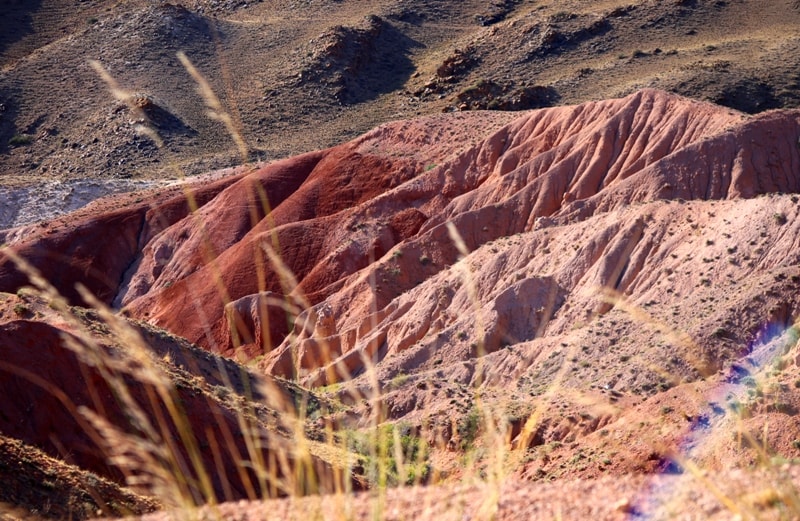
20 140
377 451
749 381
780 218
468 428
399 380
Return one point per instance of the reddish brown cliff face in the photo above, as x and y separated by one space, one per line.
336 214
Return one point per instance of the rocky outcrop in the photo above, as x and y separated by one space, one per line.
357 63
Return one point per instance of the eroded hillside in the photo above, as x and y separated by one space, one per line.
613 283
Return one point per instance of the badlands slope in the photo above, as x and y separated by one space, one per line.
616 281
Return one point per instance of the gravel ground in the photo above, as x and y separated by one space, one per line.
732 495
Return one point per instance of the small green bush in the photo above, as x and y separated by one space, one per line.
468 428
376 451
20 140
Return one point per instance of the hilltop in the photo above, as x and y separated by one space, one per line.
303 75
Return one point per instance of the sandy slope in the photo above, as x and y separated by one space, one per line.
710 496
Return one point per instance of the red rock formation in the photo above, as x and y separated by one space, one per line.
340 262
47 384
362 224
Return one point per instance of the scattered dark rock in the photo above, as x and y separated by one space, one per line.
449 73
160 117
175 24
458 63
489 95
619 12
553 39
222 6
359 63
497 11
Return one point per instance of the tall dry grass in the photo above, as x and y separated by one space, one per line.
161 455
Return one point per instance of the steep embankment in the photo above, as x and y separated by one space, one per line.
138 407
681 209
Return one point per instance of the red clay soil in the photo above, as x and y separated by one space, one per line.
47 384
96 244
683 212
338 211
